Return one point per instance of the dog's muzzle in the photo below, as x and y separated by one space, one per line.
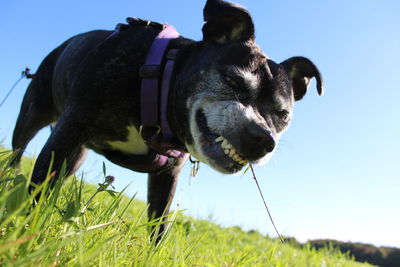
229 150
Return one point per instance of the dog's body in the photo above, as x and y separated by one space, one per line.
228 102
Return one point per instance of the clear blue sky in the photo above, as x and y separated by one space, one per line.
336 174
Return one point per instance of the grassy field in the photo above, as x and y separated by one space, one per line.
79 224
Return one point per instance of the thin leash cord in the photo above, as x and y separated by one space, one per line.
24 74
265 204
9 92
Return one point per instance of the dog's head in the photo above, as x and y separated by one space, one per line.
240 101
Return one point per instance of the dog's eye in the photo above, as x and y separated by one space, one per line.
230 81
284 115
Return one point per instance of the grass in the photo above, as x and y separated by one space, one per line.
78 224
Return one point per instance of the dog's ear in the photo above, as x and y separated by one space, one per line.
301 70
226 22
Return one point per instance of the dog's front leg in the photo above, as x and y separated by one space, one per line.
64 144
161 190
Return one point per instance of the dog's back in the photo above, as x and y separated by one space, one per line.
57 78
68 61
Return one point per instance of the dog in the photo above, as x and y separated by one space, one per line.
227 103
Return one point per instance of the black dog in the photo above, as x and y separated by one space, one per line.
227 103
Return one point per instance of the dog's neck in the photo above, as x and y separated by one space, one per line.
155 87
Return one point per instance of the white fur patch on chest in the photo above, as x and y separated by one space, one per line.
133 145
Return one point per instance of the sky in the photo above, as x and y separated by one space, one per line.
336 171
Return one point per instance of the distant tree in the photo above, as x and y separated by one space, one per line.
393 258
382 256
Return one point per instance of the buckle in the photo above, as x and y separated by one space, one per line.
149 132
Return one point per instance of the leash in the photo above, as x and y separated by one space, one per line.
24 74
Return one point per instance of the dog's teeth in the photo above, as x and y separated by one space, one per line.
230 151
219 139
225 143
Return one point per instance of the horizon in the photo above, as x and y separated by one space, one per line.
334 175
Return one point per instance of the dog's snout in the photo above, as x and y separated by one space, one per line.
259 135
257 141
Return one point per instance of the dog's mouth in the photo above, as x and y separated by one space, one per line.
218 150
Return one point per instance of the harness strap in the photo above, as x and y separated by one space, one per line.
154 93
166 80
150 73
154 97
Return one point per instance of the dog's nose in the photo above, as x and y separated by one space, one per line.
257 141
260 136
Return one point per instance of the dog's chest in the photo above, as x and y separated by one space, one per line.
132 144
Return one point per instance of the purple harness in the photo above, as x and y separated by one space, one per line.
155 129
154 98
